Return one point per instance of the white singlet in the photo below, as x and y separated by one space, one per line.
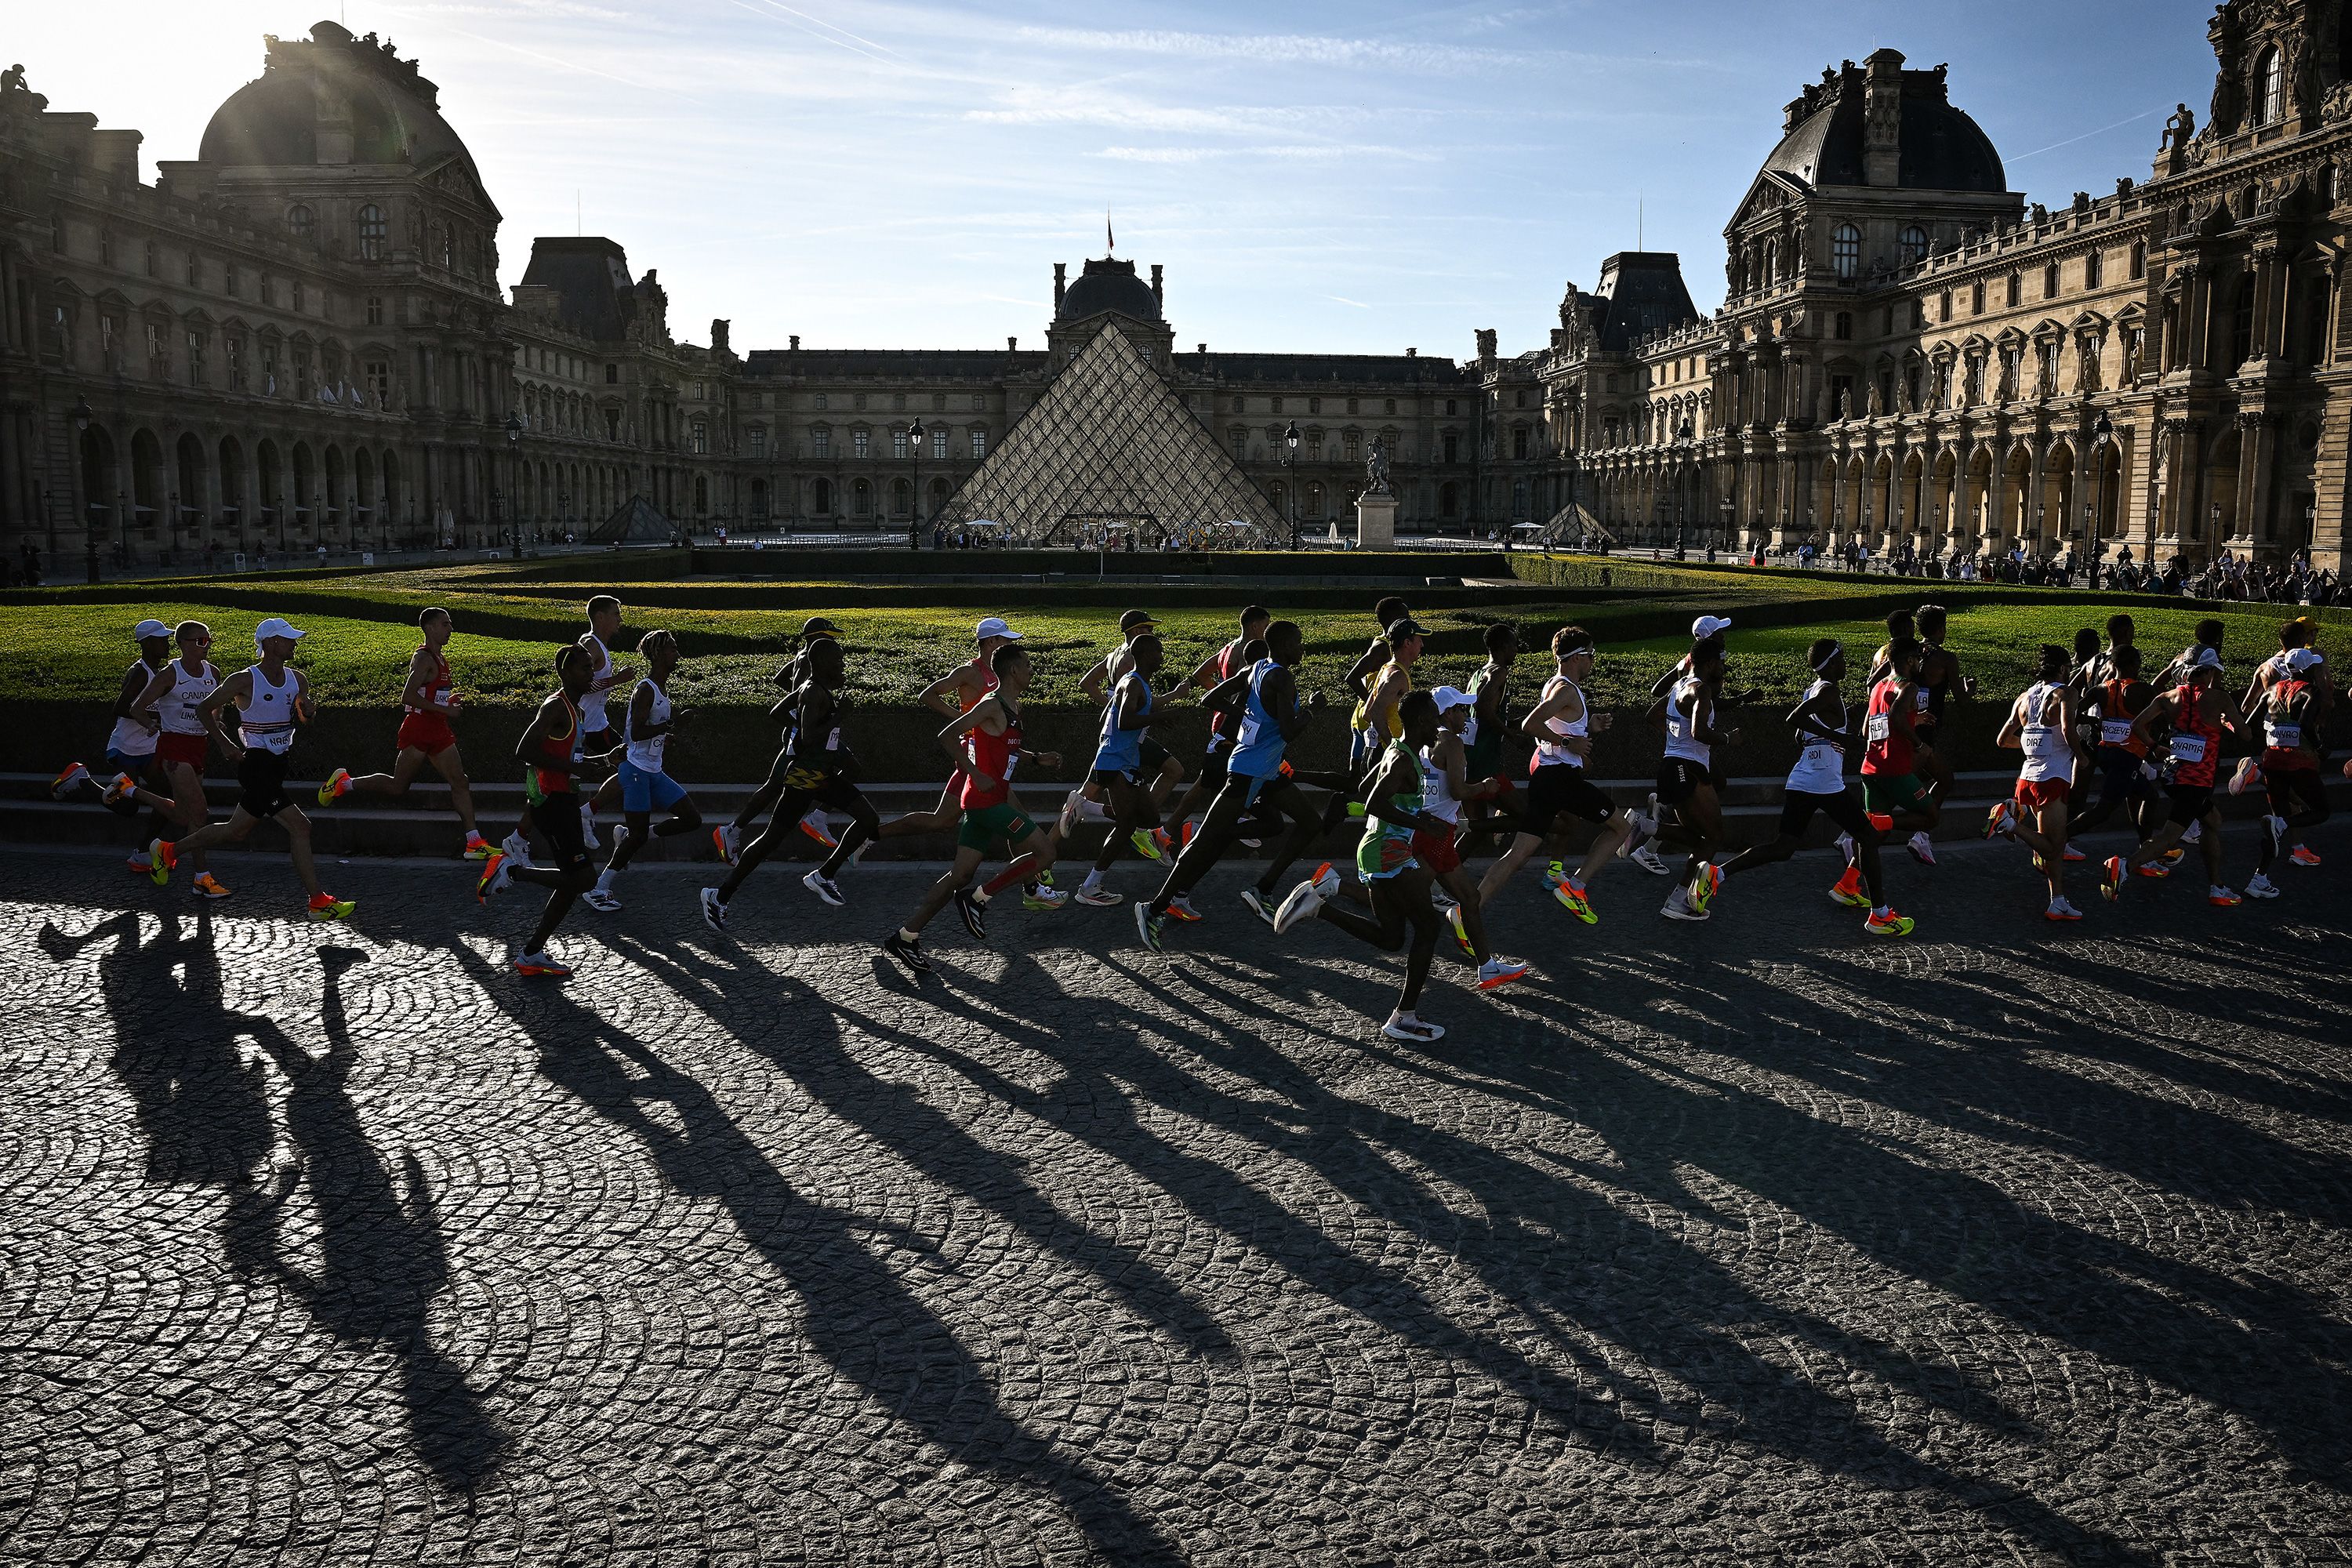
2047 754
131 738
1549 752
592 702
265 720
1437 798
645 756
1821 766
177 707
1681 725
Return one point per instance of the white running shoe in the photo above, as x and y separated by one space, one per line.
2276 827
516 848
1095 897
2261 886
599 898
714 913
1258 905
824 886
2196 831
1678 906
1648 859
1418 1031
2249 769
1922 850
1498 971
588 825
1305 898
728 839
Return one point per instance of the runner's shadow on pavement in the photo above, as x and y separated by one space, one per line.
382 1257
859 1315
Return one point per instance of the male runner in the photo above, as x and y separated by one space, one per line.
1817 784
427 703
1161 771
952 696
2289 712
2209 634
817 767
2194 710
1393 813
1706 633
553 765
1562 725
793 676
984 743
597 734
645 784
2041 724
1362 749
272 700
1690 810
1482 735
1940 679
1445 783
2318 699
1118 773
1272 717
133 777
1890 788
178 698
1212 674
2126 780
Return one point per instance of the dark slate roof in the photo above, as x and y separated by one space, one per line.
1641 295
1108 283
1368 369
393 113
590 277
1942 149
944 365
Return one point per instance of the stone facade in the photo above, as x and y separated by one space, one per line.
298 339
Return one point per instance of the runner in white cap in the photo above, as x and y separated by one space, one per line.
176 699
132 778
952 696
273 700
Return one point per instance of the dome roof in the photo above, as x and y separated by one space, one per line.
313 93
1941 148
1108 284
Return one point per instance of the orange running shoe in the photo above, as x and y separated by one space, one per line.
1888 924
2302 856
1849 889
161 859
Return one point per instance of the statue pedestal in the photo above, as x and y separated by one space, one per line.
1376 522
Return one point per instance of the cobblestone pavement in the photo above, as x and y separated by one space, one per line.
1752 1240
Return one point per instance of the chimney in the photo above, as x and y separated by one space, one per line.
1012 345
796 342
1155 286
1882 119
1411 354
718 336
1061 281
1203 348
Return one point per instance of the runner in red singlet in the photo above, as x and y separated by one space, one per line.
428 702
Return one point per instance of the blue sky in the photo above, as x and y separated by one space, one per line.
1348 178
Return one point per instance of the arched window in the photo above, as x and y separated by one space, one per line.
371 232
1914 242
2269 89
301 220
1845 252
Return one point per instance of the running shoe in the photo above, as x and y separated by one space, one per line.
1575 901
118 788
814 825
1147 842
2275 830
2196 831
72 778
2261 886
2172 855
477 848
1167 842
494 878
1848 890
1883 821
588 826
1095 897
714 913
2073 853
1461 931
207 886
2002 820
2222 898
327 906
2152 871
1258 905
2302 856
1148 926
1306 897
824 886
160 859
2060 909
2249 768
338 784
2111 878
599 900
1678 906
1705 880
140 863
727 839
909 954
1499 972
1179 908
1922 850
1887 925
1069 823
541 965
1647 858
1845 847
516 848
972 912
1417 1031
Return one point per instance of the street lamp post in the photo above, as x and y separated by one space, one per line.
914 501
1682 501
1290 467
513 428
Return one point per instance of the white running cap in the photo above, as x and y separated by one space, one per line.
2206 658
275 627
150 627
1451 697
994 627
1707 625
2302 658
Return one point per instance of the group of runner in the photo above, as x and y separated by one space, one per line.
1426 772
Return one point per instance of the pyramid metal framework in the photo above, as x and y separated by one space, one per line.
635 521
1107 449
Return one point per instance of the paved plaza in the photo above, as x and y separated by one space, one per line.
1756 1240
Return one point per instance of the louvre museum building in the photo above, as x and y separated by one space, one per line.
297 338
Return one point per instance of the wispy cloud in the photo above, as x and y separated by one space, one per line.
1325 153
1281 49
819 29
1343 300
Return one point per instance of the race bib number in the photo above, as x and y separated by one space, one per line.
2188 749
833 739
1878 729
1249 730
2115 732
1920 699
2285 736
1012 760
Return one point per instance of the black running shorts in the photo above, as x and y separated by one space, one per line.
261 784
1797 808
2190 802
1558 787
1679 777
558 817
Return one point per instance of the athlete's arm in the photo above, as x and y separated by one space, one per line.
1398 776
951 738
142 707
1703 716
2143 726
1532 724
941 694
1132 714
1665 683
546 724
1898 712
1369 661
1455 761
640 713
783 676
227 691
420 681
1205 674
1809 719
2013 729
1280 696
1379 707
126 702
1489 702
1229 692
1094 680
